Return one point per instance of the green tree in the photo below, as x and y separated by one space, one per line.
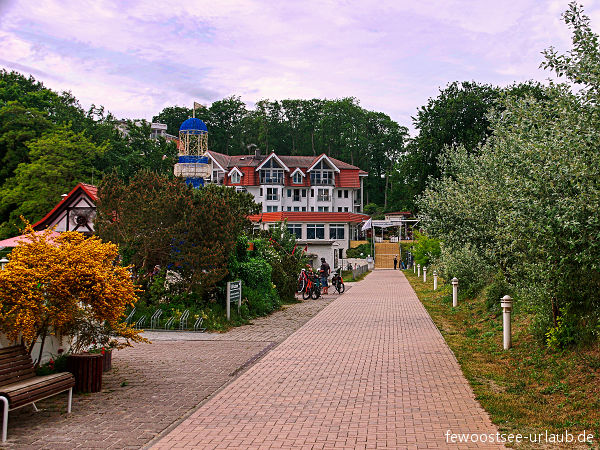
58 161
173 117
18 125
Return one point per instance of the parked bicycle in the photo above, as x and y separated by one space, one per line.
338 283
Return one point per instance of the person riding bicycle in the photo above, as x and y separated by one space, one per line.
324 273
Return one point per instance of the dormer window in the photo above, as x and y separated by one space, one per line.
235 176
322 174
271 173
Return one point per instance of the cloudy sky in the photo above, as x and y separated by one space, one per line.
137 56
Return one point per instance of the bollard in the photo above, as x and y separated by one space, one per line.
454 292
424 274
414 268
3 262
434 280
419 270
506 303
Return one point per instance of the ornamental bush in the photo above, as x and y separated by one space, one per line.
52 284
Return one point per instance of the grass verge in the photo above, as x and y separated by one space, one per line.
527 389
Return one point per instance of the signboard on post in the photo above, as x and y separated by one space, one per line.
234 295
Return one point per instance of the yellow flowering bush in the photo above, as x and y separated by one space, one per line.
49 284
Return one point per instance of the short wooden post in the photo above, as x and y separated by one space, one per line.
419 270
424 274
454 292
434 280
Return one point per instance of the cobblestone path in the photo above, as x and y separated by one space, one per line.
152 386
370 370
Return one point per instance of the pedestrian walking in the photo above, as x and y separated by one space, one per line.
395 262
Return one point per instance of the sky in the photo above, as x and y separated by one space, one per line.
136 57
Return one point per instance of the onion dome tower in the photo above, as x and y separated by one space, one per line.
193 144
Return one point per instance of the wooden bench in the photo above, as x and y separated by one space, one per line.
19 385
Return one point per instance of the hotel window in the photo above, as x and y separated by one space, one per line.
345 209
271 173
272 194
323 195
297 179
289 193
261 192
314 231
271 208
304 209
295 229
296 209
304 193
323 209
345 193
339 194
235 177
321 174
296 195
339 209
336 231
289 208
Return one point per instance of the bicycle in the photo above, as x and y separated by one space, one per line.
338 283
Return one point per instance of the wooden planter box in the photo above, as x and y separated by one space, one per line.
107 361
87 370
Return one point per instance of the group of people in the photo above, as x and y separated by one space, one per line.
402 266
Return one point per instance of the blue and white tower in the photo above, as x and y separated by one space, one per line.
193 144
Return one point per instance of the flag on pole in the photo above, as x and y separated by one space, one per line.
198 105
367 225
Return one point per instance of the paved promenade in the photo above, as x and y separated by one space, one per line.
369 371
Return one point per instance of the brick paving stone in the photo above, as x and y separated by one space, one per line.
164 382
370 370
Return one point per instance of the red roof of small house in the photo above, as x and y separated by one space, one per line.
89 189
291 216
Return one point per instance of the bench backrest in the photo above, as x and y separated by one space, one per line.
15 365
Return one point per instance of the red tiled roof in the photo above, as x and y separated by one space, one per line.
89 189
291 161
308 217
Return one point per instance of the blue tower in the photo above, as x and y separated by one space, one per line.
193 144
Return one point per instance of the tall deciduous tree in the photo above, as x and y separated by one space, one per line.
58 161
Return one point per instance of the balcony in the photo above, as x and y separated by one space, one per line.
323 198
321 182
266 178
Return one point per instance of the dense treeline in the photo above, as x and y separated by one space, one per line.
519 213
48 143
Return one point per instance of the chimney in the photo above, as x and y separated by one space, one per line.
256 150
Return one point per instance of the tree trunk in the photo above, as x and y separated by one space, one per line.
39 360
555 312
312 142
385 192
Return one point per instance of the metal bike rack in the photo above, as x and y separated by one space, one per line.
130 316
183 319
169 323
155 319
141 321
198 324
